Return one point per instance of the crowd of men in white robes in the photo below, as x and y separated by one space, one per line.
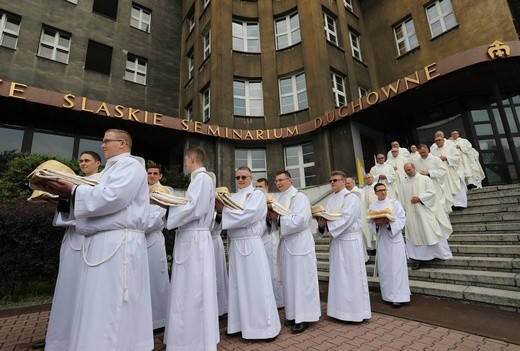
114 289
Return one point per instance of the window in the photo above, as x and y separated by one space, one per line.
191 22
287 31
136 69
255 159
338 89
405 36
105 7
52 144
330 28
205 3
206 40
363 91
440 17
299 161
140 18
205 96
9 30
188 112
348 4
99 57
73 1
248 98
191 64
54 45
10 139
246 36
293 93
354 44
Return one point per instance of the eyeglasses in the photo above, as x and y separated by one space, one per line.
241 177
380 190
280 180
334 180
105 141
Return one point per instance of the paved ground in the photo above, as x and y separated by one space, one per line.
418 326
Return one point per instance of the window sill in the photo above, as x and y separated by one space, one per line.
285 114
336 46
409 52
136 83
445 32
359 61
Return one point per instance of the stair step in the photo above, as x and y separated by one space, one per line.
493 208
486 250
482 227
508 192
496 239
485 218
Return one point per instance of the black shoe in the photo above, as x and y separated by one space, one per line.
234 334
158 330
299 327
396 304
417 265
270 339
471 186
457 208
40 344
289 322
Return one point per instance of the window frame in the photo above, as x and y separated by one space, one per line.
441 16
355 45
132 66
6 18
301 166
289 31
206 104
54 46
336 90
406 36
248 98
140 18
330 33
190 62
245 37
255 172
206 44
295 92
348 5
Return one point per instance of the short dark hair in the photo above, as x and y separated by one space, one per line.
340 173
244 168
94 155
154 165
378 185
263 180
286 173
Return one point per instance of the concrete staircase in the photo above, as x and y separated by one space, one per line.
485 268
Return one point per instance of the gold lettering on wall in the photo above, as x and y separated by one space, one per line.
120 111
355 105
214 132
277 136
198 127
157 119
372 98
17 88
343 111
131 114
259 134
393 88
103 107
430 69
84 105
184 124
410 80
318 122
69 101
292 132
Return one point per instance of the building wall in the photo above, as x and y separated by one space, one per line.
479 23
161 47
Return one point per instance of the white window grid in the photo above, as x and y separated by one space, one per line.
293 93
405 36
246 36
206 39
330 28
363 91
54 45
255 159
205 3
188 112
9 31
191 22
248 98
299 161
191 64
355 45
136 69
206 105
338 89
73 1
440 17
141 18
287 31
348 4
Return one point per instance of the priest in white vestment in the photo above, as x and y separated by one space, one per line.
397 161
271 240
473 172
157 260
440 134
385 173
220 268
391 251
252 307
113 306
402 150
414 154
193 310
427 226
348 296
297 255
61 315
367 197
454 172
431 166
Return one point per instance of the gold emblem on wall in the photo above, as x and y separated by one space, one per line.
498 49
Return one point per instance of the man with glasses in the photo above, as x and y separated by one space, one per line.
252 307
391 253
271 242
193 309
473 173
297 255
112 309
385 173
348 297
